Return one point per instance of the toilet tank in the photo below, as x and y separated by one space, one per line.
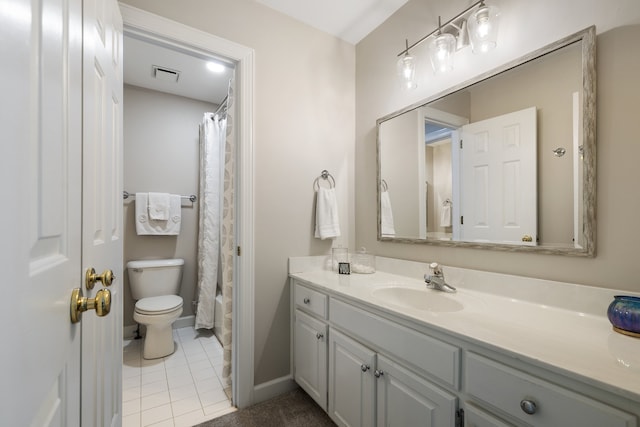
152 278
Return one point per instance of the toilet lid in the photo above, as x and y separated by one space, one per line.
158 305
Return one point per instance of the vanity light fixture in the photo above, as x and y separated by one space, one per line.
476 26
483 28
407 69
441 49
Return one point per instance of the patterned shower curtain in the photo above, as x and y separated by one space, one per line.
227 245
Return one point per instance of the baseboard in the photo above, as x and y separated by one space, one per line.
273 388
184 322
129 331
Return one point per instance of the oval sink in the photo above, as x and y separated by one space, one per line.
418 299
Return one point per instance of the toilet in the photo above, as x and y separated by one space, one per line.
155 285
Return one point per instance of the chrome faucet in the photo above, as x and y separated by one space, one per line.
436 281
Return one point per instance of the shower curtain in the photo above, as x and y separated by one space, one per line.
227 246
215 262
212 134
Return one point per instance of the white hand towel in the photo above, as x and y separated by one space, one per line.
445 216
327 224
387 228
148 226
159 206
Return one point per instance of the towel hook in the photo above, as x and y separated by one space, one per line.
327 177
384 185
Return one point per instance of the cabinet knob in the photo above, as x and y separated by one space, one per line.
528 406
319 335
364 368
378 373
306 300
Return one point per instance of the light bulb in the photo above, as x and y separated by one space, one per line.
441 50
215 67
483 28
407 71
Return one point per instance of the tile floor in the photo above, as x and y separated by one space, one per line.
180 390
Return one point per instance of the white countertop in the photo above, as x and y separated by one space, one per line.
574 342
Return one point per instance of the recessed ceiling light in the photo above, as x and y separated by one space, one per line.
215 67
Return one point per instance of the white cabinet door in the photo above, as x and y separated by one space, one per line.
475 417
310 356
351 382
404 399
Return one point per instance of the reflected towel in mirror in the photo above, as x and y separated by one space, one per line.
445 215
387 228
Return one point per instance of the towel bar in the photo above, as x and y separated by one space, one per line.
192 197
326 176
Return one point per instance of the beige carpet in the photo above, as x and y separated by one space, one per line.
293 409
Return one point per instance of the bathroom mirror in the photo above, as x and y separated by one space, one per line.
505 161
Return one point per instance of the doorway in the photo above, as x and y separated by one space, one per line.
181 37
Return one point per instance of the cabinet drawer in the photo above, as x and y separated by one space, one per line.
437 358
310 300
505 388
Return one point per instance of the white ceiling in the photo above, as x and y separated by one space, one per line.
195 80
350 20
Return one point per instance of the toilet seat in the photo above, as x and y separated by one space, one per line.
158 305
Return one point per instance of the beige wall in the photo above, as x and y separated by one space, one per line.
402 137
304 123
618 59
161 154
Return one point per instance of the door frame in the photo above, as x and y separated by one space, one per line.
154 26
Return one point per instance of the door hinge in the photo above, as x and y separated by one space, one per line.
238 251
461 219
460 418
461 144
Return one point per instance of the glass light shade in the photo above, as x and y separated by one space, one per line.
483 28
441 49
407 71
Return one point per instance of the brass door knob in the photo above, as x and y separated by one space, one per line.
107 277
79 304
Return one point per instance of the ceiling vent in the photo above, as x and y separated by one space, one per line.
165 74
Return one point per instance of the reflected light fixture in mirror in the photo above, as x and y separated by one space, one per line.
476 25
407 69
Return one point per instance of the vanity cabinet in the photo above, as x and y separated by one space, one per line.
310 344
367 366
366 388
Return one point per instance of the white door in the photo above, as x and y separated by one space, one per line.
405 399
102 209
310 356
40 220
499 180
351 382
